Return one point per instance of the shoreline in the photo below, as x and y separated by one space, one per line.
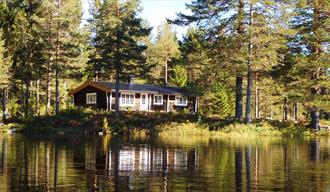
86 121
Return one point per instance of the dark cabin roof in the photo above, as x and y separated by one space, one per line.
143 88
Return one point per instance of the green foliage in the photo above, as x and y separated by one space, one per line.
179 77
116 44
161 53
195 59
311 48
181 129
284 47
218 101
4 65
10 127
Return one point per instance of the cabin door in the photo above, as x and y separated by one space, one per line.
144 102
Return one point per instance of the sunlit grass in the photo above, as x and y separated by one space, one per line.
79 120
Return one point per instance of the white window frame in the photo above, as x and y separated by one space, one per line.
161 102
89 100
177 101
127 104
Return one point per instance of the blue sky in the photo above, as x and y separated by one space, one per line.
156 12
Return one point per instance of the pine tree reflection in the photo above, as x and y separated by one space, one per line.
88 164
238 169
314 150
248 168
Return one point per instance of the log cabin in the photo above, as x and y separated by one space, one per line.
134 97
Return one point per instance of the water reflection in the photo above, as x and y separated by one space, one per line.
163 164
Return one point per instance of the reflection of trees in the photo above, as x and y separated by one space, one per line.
238 169
3 163
248 168
114 164
55 167
314 150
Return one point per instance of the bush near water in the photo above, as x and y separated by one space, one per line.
87 121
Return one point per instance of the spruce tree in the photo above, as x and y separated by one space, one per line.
179 77
116 47
194 57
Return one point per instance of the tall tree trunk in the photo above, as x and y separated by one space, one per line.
57 92
315 118
295 110
117 69
65 85
57 67
256 101
248 119
48 93
258 96
249 76
239 98
239 78
49 67
4 103
285 109
166 71
38 97
27 99
117 91
22 98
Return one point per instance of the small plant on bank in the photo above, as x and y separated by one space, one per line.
106 126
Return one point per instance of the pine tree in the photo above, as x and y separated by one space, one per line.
25 45
67 40
312 46
267 35
116 47
166 48
222 18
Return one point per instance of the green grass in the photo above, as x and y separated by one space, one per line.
181 129
256 129
79 120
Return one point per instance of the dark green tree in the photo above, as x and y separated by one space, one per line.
67 41
116 47
179 77
311 46
220 18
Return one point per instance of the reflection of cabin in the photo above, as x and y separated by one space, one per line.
146 159
135 97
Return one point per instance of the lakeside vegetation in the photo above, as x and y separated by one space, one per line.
88 121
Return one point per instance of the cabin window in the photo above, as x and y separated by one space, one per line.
127 99
91 98
158 99
181 101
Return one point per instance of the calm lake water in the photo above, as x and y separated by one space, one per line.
99 163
